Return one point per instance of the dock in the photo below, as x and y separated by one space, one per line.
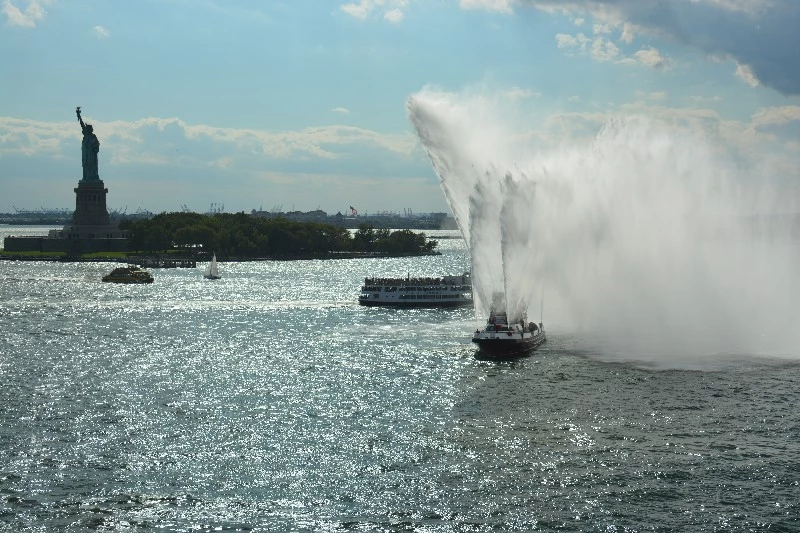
162 262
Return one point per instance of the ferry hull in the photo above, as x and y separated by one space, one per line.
378 303
447 291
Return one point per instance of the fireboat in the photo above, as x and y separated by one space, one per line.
504 338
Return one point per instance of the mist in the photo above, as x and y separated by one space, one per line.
652 240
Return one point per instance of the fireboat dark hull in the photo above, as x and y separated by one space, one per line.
499 348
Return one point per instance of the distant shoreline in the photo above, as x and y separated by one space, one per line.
160 261
436 223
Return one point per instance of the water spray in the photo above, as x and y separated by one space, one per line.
643 235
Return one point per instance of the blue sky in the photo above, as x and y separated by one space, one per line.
301 104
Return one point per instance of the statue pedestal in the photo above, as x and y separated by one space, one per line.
90 204
90 230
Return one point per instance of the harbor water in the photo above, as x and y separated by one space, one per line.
269 400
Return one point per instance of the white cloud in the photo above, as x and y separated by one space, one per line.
342 110
746 6
29 137
658 95
518 93
757 33
130 141
745 73
627 34
363 8
28 17
395 16
601 49
501 6
704 99
568 41
604 50
222 162
101 32
359 10
652 58
771 116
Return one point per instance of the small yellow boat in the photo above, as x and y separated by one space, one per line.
128 274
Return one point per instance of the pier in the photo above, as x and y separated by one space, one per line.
162 262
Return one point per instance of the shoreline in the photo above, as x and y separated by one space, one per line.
165 261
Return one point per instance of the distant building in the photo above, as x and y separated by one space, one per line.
423 221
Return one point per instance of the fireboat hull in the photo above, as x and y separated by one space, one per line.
499 348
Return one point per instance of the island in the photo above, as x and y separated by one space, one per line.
241 236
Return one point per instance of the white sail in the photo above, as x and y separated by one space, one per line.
212 272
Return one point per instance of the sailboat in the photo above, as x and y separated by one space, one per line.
212 272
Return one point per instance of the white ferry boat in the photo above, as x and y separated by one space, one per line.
447 291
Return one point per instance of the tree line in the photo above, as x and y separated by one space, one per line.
246 236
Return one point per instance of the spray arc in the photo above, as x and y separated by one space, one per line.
643 233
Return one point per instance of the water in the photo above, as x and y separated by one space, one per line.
269 401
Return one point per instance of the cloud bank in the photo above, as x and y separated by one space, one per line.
329 166
760 36
392 9
152 135
31 12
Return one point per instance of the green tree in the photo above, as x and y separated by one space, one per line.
405 242
244 235
364 238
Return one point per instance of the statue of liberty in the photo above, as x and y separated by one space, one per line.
89 149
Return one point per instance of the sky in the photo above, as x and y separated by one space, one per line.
302 104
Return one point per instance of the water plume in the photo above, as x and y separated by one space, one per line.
653 238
